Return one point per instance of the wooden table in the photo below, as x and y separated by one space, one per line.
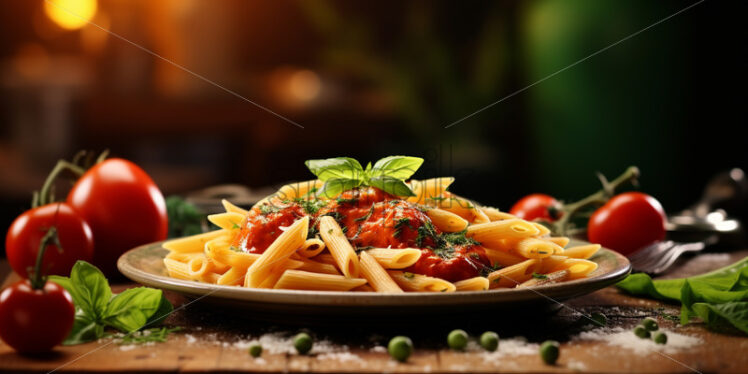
213 339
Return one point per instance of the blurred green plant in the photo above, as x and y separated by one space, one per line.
184 218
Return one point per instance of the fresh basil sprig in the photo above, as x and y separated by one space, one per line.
344 173
97 308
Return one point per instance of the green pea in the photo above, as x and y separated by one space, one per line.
599 319
641 332
549 351
490 341
303 343
255 350
650 324
659 337
400 348
457 339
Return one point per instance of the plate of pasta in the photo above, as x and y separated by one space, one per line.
371 237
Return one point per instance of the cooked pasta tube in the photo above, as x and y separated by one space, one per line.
427 189
233 277
227 221
420 283
577 267
463 208
543 279
582 251
513 275
184 256
339 246
233 208
304 280
551 263
193 243
378 278
537 248
220 250
494 232
543 229
281 249
364 288
395 258
317 267
562 241
299 189
325 258
503 258
494 214
447 221
177 269
311 247
472 284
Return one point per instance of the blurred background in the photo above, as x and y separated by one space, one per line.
368 80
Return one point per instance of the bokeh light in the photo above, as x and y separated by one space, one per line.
70 14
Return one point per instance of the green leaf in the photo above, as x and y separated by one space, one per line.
392 186
717 316
164 309
336 168
334 187
67 284
92 289
398 167
84 330
131 309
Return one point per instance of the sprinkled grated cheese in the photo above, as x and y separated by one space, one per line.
623 338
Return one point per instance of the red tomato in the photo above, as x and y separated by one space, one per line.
35 320
627 222
124 208
534 206
26 232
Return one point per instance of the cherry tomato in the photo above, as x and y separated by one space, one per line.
627 222
35 320
536 205
124 208
26 232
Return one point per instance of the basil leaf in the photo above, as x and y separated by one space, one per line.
67 284
392 186
334 187
398 167
336 168
92 288
721 315
130 310
84 330
164 309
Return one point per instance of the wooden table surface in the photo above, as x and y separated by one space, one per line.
214 339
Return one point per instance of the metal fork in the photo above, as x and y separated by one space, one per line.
659 256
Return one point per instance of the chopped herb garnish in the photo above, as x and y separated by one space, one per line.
539 276
400 223
266 209
365 217
313 231
436 198
408 275
235 226
345 229
148 336
474 255
497 280
310 206
329 231
342 201
235 248
489 269
360 249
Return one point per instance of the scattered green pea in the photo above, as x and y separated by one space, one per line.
599 319
641 332
303 343
659 337
549 351
490 341
457 339
255 350
649 323
400 348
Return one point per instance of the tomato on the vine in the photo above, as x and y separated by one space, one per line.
537 205
123 207
26 232
627 222
35 320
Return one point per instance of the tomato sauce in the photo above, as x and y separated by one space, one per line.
369 218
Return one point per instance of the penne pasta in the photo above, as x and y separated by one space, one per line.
317 267
472 284
494 214
299 189
375 274
339 247
311 247
503 258
582 251
429 189
493 233
177 269
514 275
447 221
537 248
562 241
544 231
227 221
281 249
420 283
231 208
194 243
395 258
304 280
543 279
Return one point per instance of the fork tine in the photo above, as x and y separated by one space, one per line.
647 262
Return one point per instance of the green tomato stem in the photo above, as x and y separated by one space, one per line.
36 279
44 196
596 199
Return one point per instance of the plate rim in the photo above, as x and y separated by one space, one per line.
552 292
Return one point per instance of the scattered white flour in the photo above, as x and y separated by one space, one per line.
191 339
378 349
507 347
623 338
278 343
340 356
576 365
127 347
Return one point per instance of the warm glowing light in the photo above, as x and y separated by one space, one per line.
304 85
70 14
